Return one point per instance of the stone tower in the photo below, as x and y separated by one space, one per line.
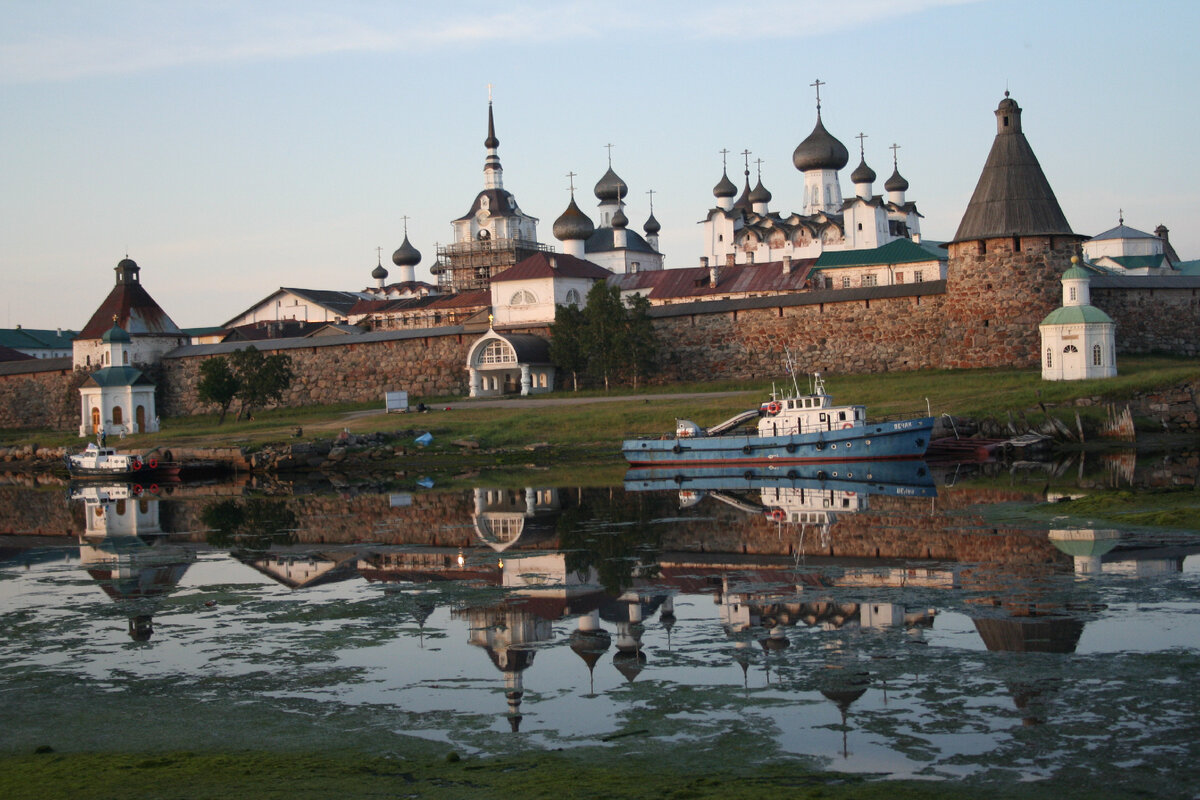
1006 258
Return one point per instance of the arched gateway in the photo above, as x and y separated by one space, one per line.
509 363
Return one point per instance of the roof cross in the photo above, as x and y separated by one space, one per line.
724 160
379 255
861 151
405 219
746 156
1120 216
571 178
818 83
894 148
609 147
651 193
759 162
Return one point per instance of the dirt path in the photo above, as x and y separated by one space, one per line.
519 402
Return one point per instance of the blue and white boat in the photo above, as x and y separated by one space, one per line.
791 428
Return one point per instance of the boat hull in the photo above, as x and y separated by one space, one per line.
904 439
897 478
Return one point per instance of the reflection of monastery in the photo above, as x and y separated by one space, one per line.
125 550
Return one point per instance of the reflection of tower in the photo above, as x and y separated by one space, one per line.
590 641
124 548
629 658
508 634
1086 547
503 516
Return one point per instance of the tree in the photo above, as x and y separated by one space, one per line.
640 339
263 379
217 384
568 341
605 316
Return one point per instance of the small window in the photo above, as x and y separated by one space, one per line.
1071 292
1049 358
1097 360
522 298
573 298
846 283
1070 349
899 277
918 276
869 280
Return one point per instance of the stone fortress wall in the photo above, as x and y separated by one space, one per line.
984 315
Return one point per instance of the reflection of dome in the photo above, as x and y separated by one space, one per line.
630 664
590 645
1085 543
1030 634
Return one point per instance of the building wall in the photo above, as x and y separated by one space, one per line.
341 373
40 400
1153 320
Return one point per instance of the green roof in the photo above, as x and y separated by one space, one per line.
1137 262
1077 271
900 251
211 329
34 338
1074 315
1188 267
119 376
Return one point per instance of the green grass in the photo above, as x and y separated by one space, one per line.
963 393
554 776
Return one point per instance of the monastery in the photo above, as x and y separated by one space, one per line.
846 283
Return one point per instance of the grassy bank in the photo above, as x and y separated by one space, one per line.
554 776
597 421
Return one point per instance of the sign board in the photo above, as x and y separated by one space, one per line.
395 401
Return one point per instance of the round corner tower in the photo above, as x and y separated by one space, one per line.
1012 246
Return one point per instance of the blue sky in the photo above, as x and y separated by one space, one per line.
233 147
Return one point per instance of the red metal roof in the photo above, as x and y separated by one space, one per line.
550 265
135 311
739 279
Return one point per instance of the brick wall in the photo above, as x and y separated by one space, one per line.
1153 320
45 399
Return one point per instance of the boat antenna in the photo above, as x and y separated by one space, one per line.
791 368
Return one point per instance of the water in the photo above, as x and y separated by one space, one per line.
886 620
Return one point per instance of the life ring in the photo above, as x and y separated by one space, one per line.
849 494
778 515
154 488
137 464
152 463
748 475
847 425
773 408
137 488
820 445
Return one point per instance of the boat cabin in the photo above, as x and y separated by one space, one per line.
807 414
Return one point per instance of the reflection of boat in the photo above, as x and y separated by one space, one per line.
105 462
897 478
792 428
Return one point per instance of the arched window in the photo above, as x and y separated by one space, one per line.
117 417
1097 360
1071 292
573 298
497 351
1049 358
1070 349
522 298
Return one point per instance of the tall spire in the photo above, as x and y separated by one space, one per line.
493 173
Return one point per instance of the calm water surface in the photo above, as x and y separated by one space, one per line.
870 618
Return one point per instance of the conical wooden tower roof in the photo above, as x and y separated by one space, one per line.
1013 196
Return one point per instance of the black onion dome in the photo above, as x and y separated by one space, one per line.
760 193
652 227
896 183
127 263
437 268
406 255
573 224
611 188
820 151
379 273
726 188
862 173
619 219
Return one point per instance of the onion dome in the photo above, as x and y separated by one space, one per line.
379 273
862 173
725 188
896 183
1075 271
652 227
437 268
760 193
619 219
406 255
820 150
611 188
573 224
